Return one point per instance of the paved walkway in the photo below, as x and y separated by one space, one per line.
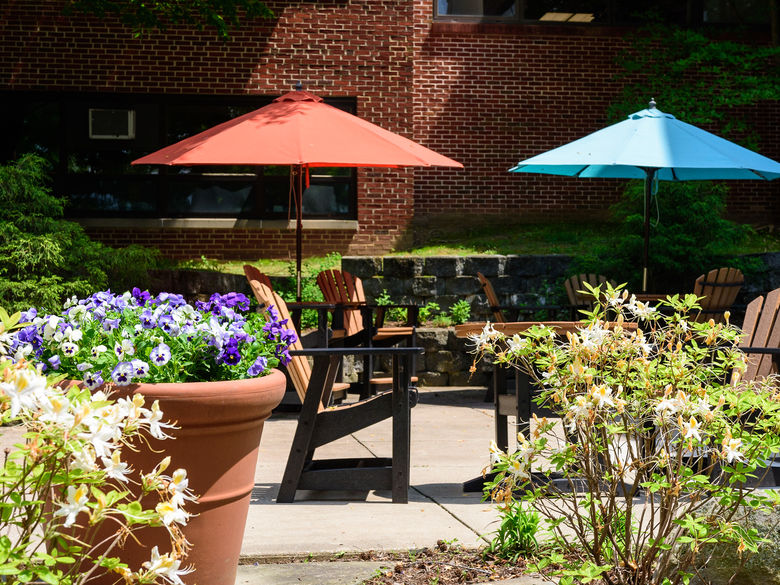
451 432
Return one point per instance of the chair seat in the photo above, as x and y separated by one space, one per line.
388 380
387 332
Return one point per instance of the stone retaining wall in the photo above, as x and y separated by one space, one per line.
518 280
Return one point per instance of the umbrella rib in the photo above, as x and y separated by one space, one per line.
582 170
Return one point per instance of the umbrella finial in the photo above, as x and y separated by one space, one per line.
298 86
652 103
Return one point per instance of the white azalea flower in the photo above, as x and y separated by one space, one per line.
495 453
115 468
732 450
593 337
690 429
154 420
84 459
602 396
76 501
178 487
487 335
516 343
170 512
24 390
167 567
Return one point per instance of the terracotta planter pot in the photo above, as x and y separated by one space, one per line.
220 424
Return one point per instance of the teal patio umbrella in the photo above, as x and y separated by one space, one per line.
652 145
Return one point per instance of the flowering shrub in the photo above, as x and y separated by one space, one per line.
67 486
135 337
656 444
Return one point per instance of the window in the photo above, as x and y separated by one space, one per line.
91 140
636 12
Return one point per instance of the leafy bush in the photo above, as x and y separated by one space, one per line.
46 258
516 534
652 405
460 312
688 237
310 291
67 486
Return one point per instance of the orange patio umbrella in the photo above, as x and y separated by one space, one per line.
300 130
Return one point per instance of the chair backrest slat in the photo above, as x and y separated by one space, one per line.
720 288
252 273
761 329
576 291
341 287
492 298
299 367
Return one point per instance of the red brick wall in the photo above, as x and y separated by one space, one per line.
490 95
486 95
344 48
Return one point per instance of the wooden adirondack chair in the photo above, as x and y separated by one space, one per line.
505 313
346 291
319 424
577 293
719 288
761 336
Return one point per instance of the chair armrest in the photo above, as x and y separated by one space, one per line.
343 351
763 350
312 305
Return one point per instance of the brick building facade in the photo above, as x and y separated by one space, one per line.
486 95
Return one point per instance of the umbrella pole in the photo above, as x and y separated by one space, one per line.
298 186
650 175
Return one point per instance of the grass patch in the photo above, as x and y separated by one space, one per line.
482 236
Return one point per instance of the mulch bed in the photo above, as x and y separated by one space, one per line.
444 565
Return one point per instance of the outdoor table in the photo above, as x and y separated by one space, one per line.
516 403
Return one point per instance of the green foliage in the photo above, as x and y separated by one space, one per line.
393 313
702 81
696 78
310 291
67 488
652 406
46 258
429 311
460 312
688 237
516 534
143 16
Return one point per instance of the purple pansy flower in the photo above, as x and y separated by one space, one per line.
122 374
258 367
160 355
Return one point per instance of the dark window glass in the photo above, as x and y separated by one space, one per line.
92 139
692 13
